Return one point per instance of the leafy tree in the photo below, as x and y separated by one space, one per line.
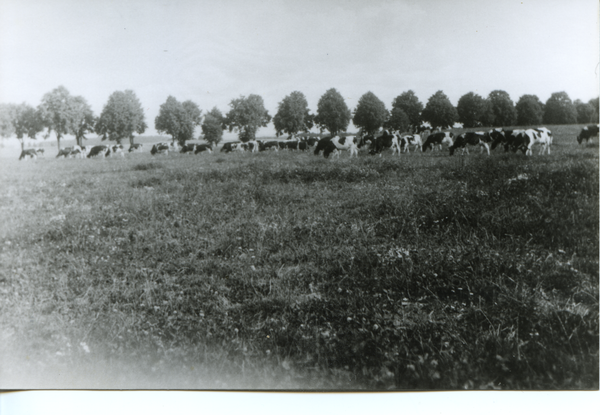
439 111
178 119
398 120
560 110
57 112
529 110
370 113
27 123
409 103
586 113
474 111
333 114
213 127
7 113
83 119
293 115
246 116
504 110
594 103
121 116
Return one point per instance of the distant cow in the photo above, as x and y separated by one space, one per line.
64 152
160 148
27 154
587 133
117 149
474 138
203 147
407 140
349 143
99 151
438 139
188 148
136 147
383 142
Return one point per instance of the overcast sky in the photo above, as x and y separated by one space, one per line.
212 52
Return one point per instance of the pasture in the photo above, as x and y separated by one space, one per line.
286 271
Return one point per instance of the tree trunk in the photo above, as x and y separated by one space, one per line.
58 142
131 140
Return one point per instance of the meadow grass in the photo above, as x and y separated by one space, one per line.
286 270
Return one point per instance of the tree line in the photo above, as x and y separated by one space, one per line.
122 116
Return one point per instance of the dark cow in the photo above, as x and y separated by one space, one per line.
188 148
203 147
383 142
64 152
269 145
136 147
587 133
229 147
160 148
29 153
438 139
99 151
307 144
473 138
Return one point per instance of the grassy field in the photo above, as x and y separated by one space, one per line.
286 270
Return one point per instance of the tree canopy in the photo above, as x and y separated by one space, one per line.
503 107
57 112
474 111
439 111
333 114
213 127
559 109
246 116
370 113
7 113
83 119
293 115
409 103
178 119
121 116
27 122
529 110
586 113
398 121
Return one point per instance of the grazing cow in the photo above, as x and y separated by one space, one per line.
410 139
99 151
382 142
438 139
229 147
40 152
476 138
270 145
541 136
188 148
307 144
64 152
587 133
253 146
78 151
425 127
29 153
203 147
160 148
136 147
349 143
117 149
510 139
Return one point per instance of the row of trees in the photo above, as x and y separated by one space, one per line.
122 116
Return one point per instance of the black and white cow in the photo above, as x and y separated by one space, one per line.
203 147
29 153
269 145
40 152
233 146
188 148
160 148
64 152
438 139
587 133
384 141
473 138
349 143
541 136
117 149
136 147
99 151
307 144
410 139
79 151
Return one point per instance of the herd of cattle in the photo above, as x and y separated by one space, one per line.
511 140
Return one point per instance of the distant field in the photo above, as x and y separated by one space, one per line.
287 270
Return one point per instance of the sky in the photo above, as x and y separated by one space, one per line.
213 52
